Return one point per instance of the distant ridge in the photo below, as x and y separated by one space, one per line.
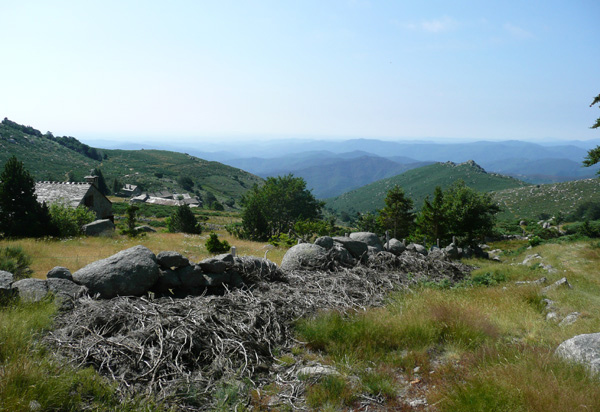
420 183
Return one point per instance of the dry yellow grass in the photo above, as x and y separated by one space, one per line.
77 252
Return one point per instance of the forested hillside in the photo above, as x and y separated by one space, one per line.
419 183
66 159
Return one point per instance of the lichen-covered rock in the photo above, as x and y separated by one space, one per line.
356 248
396 247
6 289
584 349
130 272
303 256
65 289
59 272
342 256
324 241
97 227
415 247
31 290
169 259
217 264
371 239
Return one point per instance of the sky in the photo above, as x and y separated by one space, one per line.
224 70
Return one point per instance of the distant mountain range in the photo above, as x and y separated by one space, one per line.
330 173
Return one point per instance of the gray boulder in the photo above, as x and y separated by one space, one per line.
217 264
66 289
324 241
396 247
6 289
98 227
191 277
584 349
415 247
342 256
452 251
371 239
59 272
130 272
356 248
304 255
31 290
169 260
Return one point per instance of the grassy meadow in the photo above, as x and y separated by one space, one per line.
483 344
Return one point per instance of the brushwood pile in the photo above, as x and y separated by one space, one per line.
180 330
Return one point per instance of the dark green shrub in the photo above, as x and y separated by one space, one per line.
69 220
183 220
535 241
214 245
13 259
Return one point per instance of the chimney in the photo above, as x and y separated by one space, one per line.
92 179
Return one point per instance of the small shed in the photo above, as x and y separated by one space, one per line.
74 194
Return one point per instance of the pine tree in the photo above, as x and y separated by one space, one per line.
432 220
397 214
183 220
20 213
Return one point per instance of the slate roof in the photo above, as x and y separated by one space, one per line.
69 193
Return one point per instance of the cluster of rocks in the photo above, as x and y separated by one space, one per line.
357 247
137 271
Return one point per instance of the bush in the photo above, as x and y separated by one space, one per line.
13 259
69 220
214 245
183 220
535 241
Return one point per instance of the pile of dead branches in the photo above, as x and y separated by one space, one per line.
182 350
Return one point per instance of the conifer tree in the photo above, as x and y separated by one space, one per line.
397 214
20 213
432 220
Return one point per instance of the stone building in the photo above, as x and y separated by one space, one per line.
74 194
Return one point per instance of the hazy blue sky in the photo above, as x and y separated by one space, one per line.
388 69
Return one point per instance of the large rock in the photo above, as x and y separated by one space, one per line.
6 289
371 239
584 349
415 247
356 248
217 264
396 247
342 256
452 251
169 260
304 255
324 241
98 227
31 290
66 291
59 272
130 272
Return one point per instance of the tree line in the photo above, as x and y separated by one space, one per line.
283 206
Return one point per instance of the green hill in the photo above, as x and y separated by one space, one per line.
420 183
55 158
531 201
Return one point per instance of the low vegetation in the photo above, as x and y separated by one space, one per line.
480 345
